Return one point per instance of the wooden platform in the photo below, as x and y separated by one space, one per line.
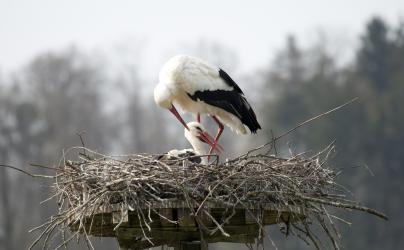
242 227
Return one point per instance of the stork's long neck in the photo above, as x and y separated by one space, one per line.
198 146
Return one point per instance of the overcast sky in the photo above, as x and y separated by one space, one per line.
253 29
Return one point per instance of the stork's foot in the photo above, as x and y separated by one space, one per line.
215 147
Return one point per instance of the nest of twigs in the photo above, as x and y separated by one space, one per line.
137 182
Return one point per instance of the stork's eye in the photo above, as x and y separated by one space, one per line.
199 128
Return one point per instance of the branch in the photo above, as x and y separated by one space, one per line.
302 124
26 172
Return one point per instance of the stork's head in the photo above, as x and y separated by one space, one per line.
163 96
197 134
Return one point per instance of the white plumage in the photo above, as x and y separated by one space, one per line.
195 137
191 74
200 88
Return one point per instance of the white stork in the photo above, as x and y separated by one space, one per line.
196 136
200 88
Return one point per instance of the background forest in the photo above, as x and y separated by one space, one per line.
60 93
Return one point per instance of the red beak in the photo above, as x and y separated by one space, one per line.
203 135
175 113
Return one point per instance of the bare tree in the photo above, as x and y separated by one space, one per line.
66 87
5 132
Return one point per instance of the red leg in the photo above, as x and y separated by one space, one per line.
219 132
198 117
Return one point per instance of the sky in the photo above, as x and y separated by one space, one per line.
156 30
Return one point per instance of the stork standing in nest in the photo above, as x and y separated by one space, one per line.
197 137
200 88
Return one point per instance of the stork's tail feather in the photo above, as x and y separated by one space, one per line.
248 117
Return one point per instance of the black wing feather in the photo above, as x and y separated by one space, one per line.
227 79
232 101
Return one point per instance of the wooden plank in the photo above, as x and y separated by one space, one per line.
174 203
251 216
120 217
167 213
242 226
205 218
271 217
184 218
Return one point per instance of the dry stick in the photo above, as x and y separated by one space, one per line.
211 192
226 220
80 135
311 236
301 236
40 236
341 220
63 233
331 222
40 226
67 241
165 218
302 124
46 167
26 172
316 117
261 228
328 232
88 241
218 226
344 205
48 236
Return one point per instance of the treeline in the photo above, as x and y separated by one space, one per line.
369 134
46 105
45 108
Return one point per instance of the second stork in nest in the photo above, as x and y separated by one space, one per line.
197 137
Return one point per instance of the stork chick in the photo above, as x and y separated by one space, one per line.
197 136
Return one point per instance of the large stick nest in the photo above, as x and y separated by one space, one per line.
138 182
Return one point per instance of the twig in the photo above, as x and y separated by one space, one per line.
302 124
26 172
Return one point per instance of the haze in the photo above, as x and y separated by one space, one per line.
253 29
